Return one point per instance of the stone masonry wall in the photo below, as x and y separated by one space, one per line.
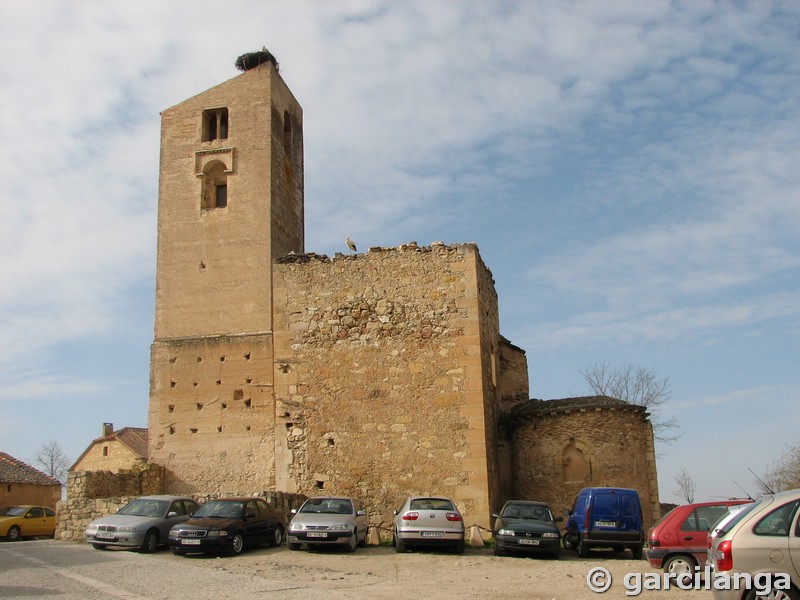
558 453
379 377
117 456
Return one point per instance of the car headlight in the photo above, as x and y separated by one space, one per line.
218 533
339 527
126 529
505 532
91 528
550 534
297 526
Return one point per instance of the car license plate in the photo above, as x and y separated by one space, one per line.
527 542
317 534
189 542
104 536
433 534
605 524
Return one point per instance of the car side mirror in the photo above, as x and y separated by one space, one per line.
361 513
250 515
558 519
293 511
396 513
171 514
496 515
567 512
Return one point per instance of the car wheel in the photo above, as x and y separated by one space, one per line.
13 534
773 594
237 543
150 541
583 549
352 543
678 564
99 546
399 545
362 543
277 537
638 552
498 551
459 547
570 540
294 546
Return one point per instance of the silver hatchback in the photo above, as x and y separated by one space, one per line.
758 550
428 521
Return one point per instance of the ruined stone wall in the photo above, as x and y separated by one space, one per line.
110 455
380 376
557 453
212 414
91 495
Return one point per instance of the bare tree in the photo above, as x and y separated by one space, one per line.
54 461
635 385
784 474
685 486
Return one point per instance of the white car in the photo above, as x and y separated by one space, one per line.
428 521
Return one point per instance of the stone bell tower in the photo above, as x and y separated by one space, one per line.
230 201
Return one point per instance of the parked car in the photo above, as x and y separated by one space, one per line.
228 525
526 526
720 527
605 517
757 545
428 521
678 541
143 523
17 522
324 520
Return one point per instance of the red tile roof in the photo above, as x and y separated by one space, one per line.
16 471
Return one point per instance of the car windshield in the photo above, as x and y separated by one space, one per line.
12 511
144 507
221 510
335 506
431 504
526 511
725 527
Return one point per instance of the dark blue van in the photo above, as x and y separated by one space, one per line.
605 517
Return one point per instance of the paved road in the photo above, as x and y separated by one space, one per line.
48 569
45 569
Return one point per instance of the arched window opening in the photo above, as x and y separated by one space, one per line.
215 186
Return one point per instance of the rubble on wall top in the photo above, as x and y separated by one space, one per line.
294 257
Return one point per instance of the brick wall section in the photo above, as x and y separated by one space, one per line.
212 413
382 372
560 451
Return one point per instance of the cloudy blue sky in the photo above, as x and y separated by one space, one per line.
625 168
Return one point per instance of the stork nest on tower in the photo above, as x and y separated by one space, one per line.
252 59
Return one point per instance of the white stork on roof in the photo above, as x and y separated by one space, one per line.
350 243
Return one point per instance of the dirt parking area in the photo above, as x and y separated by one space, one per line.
379 572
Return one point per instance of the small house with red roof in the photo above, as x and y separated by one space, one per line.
21 483
114 450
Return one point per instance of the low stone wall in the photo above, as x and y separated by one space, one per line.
93 494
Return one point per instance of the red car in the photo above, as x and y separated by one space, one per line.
678 541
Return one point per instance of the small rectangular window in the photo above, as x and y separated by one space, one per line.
222 196
215 124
